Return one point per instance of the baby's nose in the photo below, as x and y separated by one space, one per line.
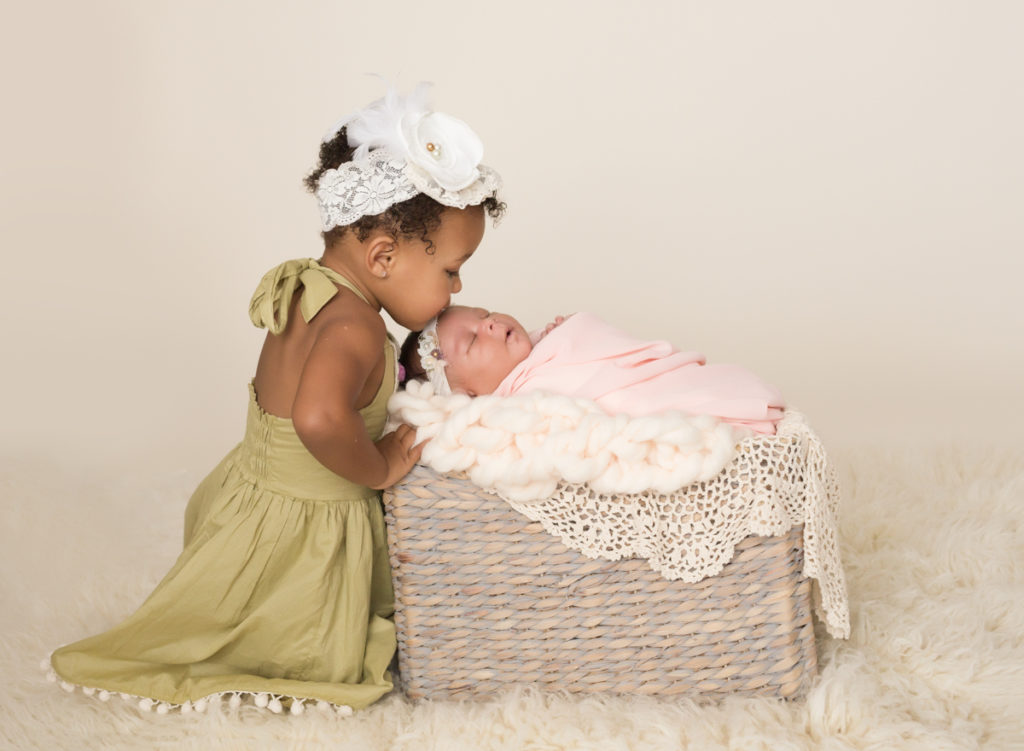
494 326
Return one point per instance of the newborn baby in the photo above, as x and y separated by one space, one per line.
473 351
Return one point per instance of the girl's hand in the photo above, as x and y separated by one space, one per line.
400 454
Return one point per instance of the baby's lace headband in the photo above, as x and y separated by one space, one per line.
403 148
429 348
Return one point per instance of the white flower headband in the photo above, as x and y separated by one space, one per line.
429 348
403 148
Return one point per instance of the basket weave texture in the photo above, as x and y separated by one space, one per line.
486 600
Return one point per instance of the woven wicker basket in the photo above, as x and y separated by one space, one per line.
486 599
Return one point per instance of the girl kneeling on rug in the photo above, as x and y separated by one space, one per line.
283 590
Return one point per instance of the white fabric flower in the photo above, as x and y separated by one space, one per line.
401 148
444 147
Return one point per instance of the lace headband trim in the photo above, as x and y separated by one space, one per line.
403 148
431 359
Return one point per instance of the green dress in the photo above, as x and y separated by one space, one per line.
283 589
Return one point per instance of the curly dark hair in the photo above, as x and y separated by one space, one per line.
410 358
416 217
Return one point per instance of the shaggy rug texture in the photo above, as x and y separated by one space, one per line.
933 544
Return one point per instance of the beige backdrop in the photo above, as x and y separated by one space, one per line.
829 194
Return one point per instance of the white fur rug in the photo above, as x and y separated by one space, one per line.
934 550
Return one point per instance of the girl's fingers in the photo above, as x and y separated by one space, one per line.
415 451
406 436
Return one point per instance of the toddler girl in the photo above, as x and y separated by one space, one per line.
283 589
473 351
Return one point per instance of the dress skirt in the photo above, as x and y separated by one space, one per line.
283 588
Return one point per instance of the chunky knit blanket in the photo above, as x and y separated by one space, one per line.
678 490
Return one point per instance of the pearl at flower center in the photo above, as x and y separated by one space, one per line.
434 149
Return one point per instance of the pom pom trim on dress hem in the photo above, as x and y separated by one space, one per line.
274 703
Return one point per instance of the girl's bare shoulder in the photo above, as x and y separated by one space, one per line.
346 317
346 361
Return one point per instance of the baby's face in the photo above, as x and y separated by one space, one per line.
480 347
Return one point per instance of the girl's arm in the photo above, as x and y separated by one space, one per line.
345 355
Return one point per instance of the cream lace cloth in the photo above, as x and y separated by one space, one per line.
679 491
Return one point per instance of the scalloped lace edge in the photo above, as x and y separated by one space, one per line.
234 699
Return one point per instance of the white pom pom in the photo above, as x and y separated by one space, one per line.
297 707
145 704
214 700
200 706
275 706
44 665
261 700
88 690
162 708
344 710
69 687
186 708
103 696
235 701
51 676
323 706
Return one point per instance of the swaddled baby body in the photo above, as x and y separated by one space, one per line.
474 351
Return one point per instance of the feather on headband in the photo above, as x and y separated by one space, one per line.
403 148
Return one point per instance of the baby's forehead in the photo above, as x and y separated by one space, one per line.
459 313
456 311
453 320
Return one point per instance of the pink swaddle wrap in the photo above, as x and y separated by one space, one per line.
586 357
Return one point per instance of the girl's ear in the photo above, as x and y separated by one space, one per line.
380 254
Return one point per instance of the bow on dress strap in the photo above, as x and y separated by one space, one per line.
273 297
